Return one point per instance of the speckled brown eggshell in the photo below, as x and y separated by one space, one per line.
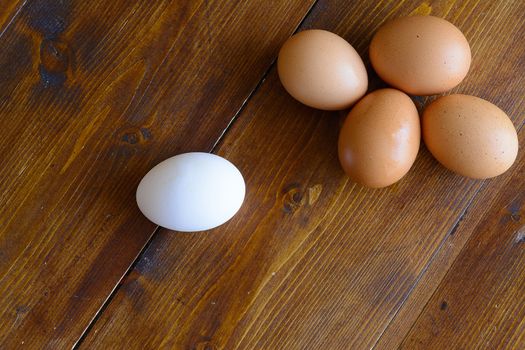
421 55
380 137
470 136
322 70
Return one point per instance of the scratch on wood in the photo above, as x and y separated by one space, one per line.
12 19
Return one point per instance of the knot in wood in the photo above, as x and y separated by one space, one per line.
134 136
292 198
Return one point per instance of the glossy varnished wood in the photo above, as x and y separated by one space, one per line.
93 94
480 303
312 260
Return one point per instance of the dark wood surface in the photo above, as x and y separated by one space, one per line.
480 302
93 94
312 260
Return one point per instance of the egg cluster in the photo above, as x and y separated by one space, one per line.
380 138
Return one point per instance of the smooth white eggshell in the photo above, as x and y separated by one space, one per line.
191 192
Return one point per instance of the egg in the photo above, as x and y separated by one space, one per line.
421 55
379 140
191 192
322 70
470 136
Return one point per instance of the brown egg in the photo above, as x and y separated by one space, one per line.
380 138
470 136
322 70
421 55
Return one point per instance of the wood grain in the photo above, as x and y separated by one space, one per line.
312 260
92 95
10 10
480 304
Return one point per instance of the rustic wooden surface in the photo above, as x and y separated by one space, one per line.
312 260
95 94
480 303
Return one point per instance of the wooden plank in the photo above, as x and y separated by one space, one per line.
92 95
481 304
313 260
10 10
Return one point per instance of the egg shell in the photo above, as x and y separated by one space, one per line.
470 136
421 55
322 70
191 192
379 140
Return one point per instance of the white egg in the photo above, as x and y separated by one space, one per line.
191 192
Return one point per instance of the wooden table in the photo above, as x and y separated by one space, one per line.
94 93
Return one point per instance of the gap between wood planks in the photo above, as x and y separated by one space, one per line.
153 235
139 256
